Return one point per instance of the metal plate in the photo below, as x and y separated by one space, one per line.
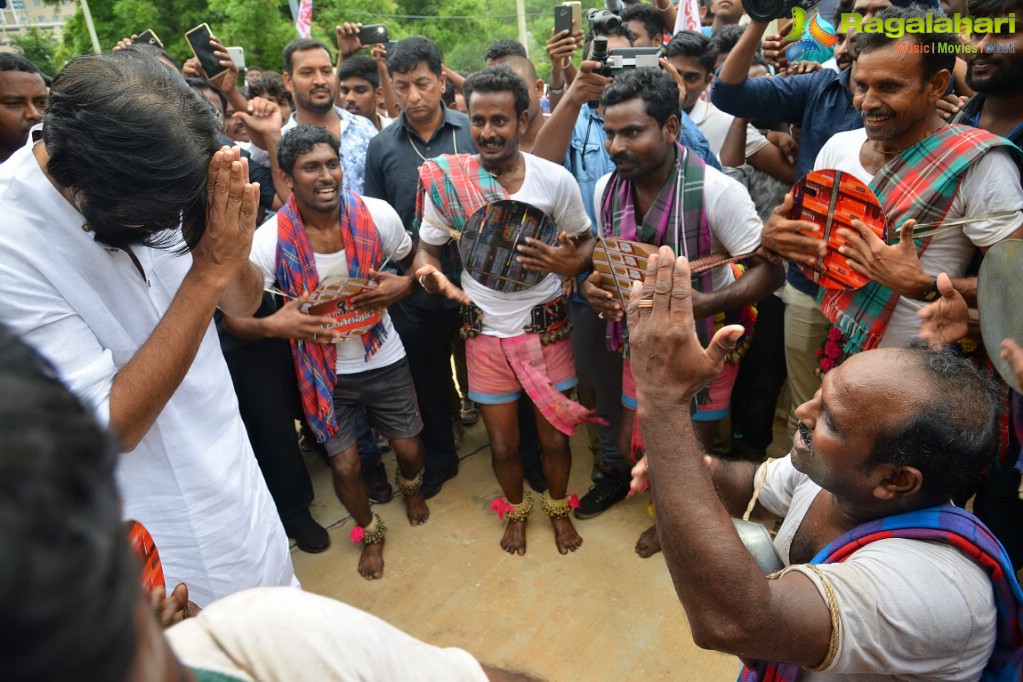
488 241
999 292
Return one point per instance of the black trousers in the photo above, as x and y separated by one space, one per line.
264 380
761 376
426 333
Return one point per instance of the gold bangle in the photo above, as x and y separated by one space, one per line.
665 9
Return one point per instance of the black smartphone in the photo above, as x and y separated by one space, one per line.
148 37
199 40
562 19
373 33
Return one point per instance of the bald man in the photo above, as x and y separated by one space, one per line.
525 69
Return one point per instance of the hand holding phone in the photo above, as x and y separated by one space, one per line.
148 37
372 34
199 40
348 39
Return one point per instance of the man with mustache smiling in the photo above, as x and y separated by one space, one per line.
516 340
922 170
310 78
996 73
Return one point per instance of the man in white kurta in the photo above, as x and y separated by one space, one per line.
192 480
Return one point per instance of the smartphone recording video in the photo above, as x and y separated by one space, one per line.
199 40
148 37
372 34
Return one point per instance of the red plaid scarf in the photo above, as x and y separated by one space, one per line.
316 363
921 182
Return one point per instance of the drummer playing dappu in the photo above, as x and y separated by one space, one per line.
332 235
516 332
962 183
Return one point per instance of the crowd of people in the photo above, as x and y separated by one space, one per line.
371 250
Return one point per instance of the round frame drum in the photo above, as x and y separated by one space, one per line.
998 296
833 199
488 241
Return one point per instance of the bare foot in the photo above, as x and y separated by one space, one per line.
514 540
565 535
416 510
648 544
371 563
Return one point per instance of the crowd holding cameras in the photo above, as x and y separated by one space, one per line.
228 266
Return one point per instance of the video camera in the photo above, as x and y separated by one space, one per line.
769 10
605 20
624 58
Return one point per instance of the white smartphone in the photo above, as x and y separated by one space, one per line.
237 56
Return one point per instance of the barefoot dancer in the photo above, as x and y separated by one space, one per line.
502 360
336 374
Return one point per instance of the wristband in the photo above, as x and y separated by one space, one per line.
931 294
551 90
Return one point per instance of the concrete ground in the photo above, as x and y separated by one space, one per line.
601 613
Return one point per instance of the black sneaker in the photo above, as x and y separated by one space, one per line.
310 536
378 488
432 483
602 496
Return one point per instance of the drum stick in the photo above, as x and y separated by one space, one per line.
932 228
607 254
278 292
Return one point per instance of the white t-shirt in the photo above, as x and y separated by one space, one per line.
908 609
714 125
734 224
395 242
553 190
193 481
286 634
991 185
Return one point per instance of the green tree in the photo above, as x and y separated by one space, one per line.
462 28
40 48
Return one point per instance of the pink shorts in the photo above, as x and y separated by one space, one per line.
715 408
492 381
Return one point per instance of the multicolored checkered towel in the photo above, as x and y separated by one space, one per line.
525 356
457 186
969 535
921 182
315 363
675 218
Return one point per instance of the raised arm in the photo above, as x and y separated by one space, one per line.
731 606
220 273
262 118
736 67
554 138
